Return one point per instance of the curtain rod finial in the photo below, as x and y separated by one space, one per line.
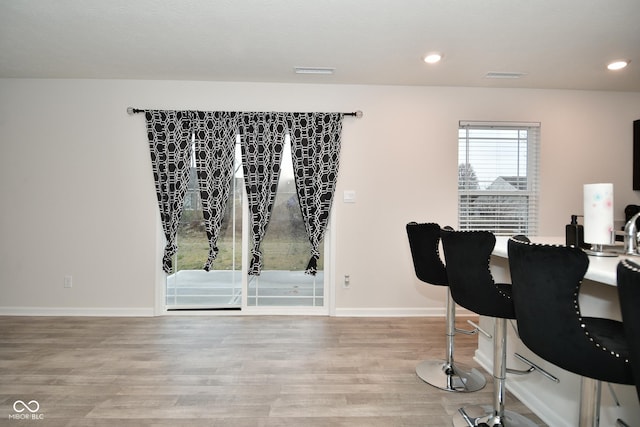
130 110
359 113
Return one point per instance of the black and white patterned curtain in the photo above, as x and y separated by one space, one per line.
262 140
315 146
215 150
315 151
169 134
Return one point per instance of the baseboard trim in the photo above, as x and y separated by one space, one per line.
149 312
73 311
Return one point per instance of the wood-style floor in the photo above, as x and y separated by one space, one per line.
228 371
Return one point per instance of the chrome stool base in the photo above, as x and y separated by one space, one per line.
485 416
450 377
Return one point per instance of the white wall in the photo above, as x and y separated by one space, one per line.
78 198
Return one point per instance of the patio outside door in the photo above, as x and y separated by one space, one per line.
285 249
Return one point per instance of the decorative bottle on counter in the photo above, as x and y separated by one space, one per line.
574 233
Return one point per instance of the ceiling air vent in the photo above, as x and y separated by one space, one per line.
504 75
314 70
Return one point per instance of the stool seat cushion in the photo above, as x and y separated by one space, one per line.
609 334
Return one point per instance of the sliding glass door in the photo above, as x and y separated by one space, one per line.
190 287
286 251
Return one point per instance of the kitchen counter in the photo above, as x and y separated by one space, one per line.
557 404
601 269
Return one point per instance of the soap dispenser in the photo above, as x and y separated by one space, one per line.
574 233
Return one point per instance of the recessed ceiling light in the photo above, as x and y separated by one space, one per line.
432 58
314 70
617 65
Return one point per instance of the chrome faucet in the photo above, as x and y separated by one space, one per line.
631 236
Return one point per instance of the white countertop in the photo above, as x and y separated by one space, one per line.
601 269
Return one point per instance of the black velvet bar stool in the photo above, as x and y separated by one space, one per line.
448 375
546 282
467 255
629 293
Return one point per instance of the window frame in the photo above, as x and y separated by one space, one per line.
484 216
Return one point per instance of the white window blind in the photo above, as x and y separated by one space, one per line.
498 177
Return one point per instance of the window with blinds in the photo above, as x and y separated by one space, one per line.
498 177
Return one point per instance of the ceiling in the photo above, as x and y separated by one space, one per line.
557 44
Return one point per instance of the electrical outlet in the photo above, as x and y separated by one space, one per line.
68 281
347 281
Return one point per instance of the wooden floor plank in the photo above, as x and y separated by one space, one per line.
229 371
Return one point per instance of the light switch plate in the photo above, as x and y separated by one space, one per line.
349 196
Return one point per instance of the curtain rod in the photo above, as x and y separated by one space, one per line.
131 110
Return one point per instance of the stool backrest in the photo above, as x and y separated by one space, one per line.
546 281
629 293
467 255
424 240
